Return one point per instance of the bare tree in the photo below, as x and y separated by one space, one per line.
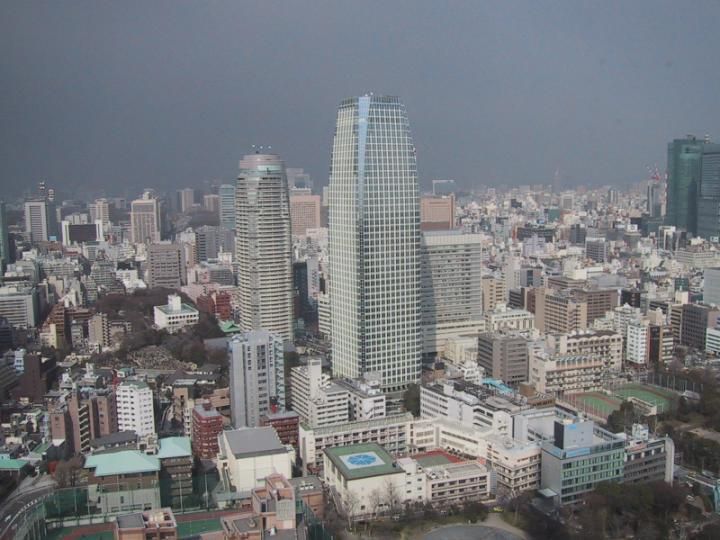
350 504
67 473
390 495
376 500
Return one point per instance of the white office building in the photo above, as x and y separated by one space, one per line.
637 342
175 315
20 306
40 220
135 408
319 401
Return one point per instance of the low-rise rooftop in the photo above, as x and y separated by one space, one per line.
361 460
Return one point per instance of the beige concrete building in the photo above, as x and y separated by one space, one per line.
494 292
559 374
603 343
437 212
304 213
559 312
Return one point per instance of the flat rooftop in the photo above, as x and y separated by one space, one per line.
434 458
362 460
456 471
249 442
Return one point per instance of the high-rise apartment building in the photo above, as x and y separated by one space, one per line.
304 213
450 285
226 192
708 204
40 220
165 266
135 408
683 169
263 246
145 219
374 243
257 377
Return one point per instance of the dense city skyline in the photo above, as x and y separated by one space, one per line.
483 301
121 98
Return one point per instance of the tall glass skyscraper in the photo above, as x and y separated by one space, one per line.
374 243
708 204
263 246
684 157
226 192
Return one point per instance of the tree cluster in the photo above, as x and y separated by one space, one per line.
411 399
622 420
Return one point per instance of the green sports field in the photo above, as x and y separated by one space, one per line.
659 397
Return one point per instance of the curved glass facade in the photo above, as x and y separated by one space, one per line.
374 243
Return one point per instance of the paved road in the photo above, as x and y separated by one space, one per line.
18 503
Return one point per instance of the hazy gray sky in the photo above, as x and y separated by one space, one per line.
126 94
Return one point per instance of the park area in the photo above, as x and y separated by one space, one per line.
601 404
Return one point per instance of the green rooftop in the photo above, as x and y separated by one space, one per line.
174 447
229 327
40 449
9 464
125 462
361 460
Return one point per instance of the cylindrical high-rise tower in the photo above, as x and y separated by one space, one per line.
374 243
263 246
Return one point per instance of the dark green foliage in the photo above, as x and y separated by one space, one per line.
698 452
411 399
474 511
623 419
